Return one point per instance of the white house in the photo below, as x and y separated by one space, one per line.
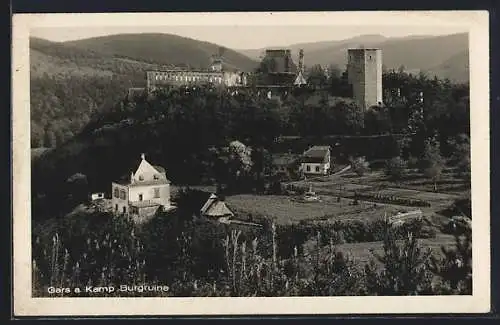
143 192
316 160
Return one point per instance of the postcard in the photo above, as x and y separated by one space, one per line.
261 163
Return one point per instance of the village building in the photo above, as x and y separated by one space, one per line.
218 74
278 74
143 192
216 210
316 161
285 163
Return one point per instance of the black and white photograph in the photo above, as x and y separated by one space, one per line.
251 155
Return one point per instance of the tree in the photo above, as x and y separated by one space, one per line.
77 187
460 157
316 76
348 116
378 120
395 167
432 163
261 166
360 165
405 267
434 172
455 267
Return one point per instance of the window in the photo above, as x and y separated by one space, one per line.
141 178
157 193
308 168
117 192
122 195
124 209
317 169
116 207
156 177
140 197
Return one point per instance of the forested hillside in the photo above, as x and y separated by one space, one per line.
165 49
68 85
71 81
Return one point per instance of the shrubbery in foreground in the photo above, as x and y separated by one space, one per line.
205 259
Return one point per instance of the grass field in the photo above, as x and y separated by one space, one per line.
361 252
285 210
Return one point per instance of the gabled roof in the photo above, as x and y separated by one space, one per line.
207 204
300 80
215 208
143 166
284 159
316 154
159 169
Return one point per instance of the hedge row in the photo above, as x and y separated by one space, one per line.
392 200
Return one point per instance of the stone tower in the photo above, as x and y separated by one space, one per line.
364 70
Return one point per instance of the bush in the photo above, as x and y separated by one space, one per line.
395 168
360 166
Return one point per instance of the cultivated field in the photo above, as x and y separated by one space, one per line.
284 210
346 185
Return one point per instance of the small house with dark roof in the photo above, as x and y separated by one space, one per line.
143 192
316 160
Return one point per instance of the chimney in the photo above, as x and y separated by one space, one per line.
131 177
143 156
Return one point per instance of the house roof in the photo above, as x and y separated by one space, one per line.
317 151
218 209
159 169
284 159
300 80
316 154
125 179
215 208
209 202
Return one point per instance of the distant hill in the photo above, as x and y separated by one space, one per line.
311 47
444 56
65 60
455 68
164 49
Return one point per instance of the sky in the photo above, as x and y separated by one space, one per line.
246 37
